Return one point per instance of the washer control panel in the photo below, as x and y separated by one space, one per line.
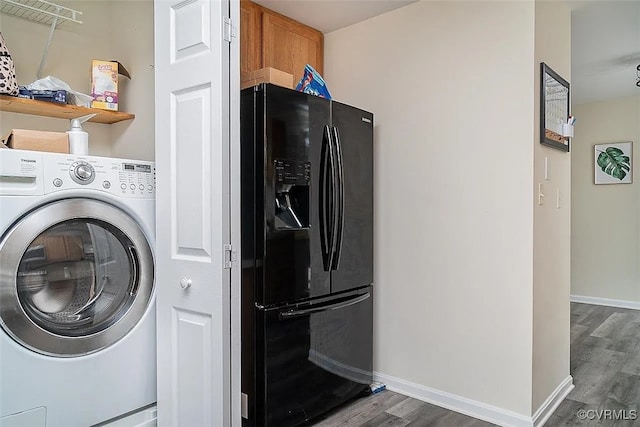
136 177
121 177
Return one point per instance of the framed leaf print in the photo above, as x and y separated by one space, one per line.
613 163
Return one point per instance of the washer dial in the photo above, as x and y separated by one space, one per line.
82 172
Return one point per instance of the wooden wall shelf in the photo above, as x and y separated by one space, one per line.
13 104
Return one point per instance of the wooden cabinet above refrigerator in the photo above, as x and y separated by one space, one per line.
268 39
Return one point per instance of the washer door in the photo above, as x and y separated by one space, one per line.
76 275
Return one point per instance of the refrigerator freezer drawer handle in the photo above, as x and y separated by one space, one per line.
337 306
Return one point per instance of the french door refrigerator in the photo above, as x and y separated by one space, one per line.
307 254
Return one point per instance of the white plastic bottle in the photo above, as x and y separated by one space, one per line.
78 137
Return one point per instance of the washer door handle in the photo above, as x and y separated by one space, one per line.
185 283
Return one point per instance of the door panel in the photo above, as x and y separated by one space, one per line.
192 339
289 45
250 36
355 264
293 266
192 159
191 236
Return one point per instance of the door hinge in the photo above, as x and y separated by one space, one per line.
229 256
229 30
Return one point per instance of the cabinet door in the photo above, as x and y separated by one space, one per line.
250 36
289 45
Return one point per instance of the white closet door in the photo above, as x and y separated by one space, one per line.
192 100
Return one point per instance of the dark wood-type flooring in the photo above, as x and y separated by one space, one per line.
605 365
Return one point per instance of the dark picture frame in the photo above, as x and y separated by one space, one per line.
554 108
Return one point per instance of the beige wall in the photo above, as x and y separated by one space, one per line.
552 219
133 46
605 259
109 31
451 87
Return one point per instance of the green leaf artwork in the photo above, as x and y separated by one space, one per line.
614 162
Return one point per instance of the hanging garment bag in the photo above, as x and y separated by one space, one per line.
8 82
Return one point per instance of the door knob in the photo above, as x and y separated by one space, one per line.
185 283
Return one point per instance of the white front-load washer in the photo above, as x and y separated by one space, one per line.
77 300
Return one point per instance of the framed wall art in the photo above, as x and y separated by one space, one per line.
554 108
613 163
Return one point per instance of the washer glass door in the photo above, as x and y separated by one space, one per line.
82 277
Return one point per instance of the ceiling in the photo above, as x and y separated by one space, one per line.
331 15
605 49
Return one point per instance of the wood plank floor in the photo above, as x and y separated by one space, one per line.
605 365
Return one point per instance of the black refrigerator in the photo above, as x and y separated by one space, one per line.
307 254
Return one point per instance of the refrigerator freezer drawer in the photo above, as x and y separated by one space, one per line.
317 356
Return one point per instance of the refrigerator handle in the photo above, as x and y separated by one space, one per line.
327 206
335 198
335 306
340 200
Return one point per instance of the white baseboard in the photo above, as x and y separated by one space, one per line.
456 403
554 400
475 409
633 305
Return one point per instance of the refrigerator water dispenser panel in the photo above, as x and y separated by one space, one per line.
292 194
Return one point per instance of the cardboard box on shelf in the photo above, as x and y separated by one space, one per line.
266 75
37 140
104 83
